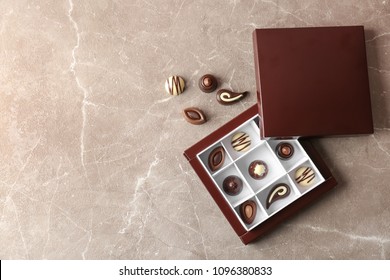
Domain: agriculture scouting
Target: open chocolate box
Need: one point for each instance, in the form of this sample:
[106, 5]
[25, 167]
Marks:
[280, 172]
[259, 167]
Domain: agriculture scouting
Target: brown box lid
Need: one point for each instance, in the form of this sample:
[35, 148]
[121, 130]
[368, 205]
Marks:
[312, 81]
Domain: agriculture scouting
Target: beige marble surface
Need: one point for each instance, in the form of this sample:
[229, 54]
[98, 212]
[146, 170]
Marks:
[91, 163]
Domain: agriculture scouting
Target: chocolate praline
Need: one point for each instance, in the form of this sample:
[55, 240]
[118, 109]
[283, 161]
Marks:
[232, 185]
[258, 169]
[279, 191]
[284, 150]
[194, 115]
[208, 83]
[305, 176]
[241, 141]
[228, 97]
[248, 211]
[175, 85]
[216, 158]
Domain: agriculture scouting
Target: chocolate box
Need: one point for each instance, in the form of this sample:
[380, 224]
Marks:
[289, 76]
[279, 171]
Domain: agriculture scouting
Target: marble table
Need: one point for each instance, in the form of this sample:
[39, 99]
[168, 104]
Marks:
[91, 163]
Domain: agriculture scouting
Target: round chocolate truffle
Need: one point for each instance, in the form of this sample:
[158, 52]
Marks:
[241, 141]
[284, 150]
[175, 85]
[208, 83]
[232, 185]
[305, 176]
[258, 169]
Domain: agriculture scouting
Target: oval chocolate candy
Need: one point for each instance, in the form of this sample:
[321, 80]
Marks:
[216, 158]
[194, 116]
[248, 211]
[227, 97]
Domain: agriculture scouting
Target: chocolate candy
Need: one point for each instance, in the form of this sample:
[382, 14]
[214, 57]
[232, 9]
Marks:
[241, 142]
[258, 169]
[248, 211]
[216, 158]
[194, 115]
[232, 185]
[227, 97]
[277, 192]
[284, 150]
[207, 83]
[304, 176]
[175, 85]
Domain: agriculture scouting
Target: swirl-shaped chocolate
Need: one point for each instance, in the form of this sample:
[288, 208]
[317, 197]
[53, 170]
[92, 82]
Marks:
[227, 97]
[277, 192]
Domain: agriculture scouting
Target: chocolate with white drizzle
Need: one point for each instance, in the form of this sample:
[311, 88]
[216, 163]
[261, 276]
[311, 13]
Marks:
[277, 192]
[194, 115]
[227, 97]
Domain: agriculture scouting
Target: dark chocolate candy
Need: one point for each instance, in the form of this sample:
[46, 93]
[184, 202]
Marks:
[194, 115]
[279, 191]
[227, 97]
[258, 169]
[207, 83]
[284, 150]
[216, 158]
[232, 185]
[248, 211]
